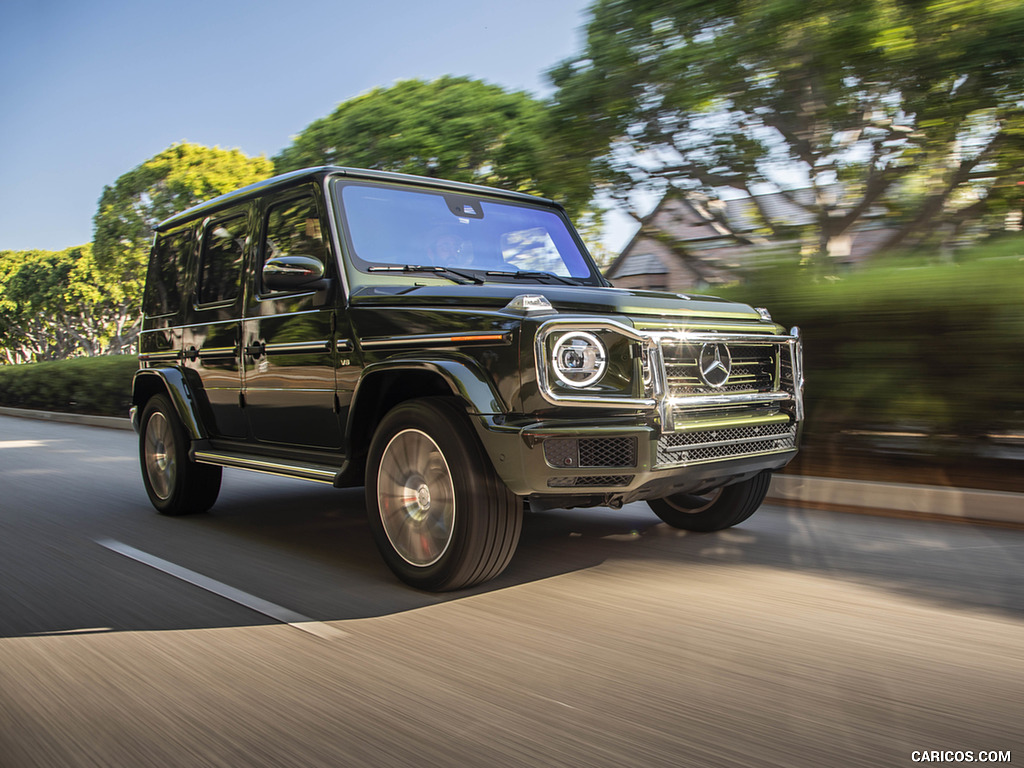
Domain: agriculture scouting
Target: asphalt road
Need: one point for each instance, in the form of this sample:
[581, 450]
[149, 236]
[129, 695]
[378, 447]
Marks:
[801, 638]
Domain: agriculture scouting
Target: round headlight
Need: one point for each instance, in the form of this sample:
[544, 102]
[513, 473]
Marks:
[579, 359]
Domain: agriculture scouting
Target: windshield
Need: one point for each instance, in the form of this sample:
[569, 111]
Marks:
[491, 239]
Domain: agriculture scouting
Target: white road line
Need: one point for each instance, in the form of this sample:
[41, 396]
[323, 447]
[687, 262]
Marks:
[276, 612]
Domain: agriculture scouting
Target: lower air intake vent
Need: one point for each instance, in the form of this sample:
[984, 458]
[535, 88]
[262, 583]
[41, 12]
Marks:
[696, 447]
[590, 452]
[590, 482]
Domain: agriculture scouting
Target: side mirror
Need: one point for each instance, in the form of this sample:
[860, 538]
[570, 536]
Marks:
[293, 273]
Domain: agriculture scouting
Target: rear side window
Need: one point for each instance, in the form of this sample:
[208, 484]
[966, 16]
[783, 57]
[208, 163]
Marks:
[220, 262]
[293, 229]
[166, 270]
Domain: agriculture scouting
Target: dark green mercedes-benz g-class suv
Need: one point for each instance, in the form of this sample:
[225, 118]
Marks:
[454, 349]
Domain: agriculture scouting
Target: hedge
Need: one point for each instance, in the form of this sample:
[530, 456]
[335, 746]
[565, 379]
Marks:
[91, 385]
[934, 349]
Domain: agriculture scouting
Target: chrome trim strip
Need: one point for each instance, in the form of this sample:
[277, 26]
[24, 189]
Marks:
[251, 318]
[157, 357]
[194, 325]
[207, 353]
[743, 398]
[267, 467]
[343, 345]
[300, 347]
[796, 357]
[468, 337]
[704, 337]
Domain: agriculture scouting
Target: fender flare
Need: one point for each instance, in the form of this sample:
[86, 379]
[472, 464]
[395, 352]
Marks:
[170, 381]
[464, 378]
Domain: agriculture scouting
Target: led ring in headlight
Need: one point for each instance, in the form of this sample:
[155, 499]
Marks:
[579, 359]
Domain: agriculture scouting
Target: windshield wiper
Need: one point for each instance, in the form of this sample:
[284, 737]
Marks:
[455, 275]
[527, 274]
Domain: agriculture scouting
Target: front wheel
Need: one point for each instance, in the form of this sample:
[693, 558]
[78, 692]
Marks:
[721, 508]
[441, 517]
[175, 485]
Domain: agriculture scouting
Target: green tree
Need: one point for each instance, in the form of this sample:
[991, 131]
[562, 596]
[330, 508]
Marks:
[916, 104]
[58, 304]
[452, 128]
[177, 178]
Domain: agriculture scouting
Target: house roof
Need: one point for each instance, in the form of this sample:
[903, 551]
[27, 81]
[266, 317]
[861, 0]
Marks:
[615, 269]
[701, 237]
[640, 264]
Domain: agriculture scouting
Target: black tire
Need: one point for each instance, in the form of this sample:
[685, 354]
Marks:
[175, 485]
[440, 515]
[722, 508]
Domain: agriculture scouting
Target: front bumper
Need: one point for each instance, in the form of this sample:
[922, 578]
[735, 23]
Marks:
[616, 461]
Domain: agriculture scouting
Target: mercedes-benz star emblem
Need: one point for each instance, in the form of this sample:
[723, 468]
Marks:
[715, 364]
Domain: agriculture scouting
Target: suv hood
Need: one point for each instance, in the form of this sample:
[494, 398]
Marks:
[569, 299]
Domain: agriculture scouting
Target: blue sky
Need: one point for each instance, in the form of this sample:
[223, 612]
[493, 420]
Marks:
[89, 89]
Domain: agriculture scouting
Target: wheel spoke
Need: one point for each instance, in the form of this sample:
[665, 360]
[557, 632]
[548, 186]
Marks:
[160, 455]
[394, 475]
[416, 497]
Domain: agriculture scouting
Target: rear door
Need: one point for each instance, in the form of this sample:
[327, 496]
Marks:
[289, 345]
[212, 334]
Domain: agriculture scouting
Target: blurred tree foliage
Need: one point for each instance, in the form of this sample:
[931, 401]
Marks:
[935, 349]
[56, 304]
[177, 178]
[452, 128]
[915, 104]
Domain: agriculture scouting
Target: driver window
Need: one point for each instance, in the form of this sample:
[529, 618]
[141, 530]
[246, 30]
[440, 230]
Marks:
[293, 229]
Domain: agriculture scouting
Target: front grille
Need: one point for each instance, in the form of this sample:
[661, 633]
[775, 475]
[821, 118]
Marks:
[753, 369]
[712, 445]
[786, 378]
[590, 481]
[591, 452]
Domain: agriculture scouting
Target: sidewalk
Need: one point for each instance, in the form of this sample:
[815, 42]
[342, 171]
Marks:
[892, 499]
[897, 499]
[109, 422]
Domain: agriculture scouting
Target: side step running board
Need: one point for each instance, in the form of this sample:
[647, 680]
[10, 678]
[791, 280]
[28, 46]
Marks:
[319, 473]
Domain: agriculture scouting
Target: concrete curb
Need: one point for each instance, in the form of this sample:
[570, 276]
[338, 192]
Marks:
[796, 490]
[108, 422]
[896, 498]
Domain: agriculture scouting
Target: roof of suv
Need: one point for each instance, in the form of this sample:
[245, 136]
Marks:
[308, 174]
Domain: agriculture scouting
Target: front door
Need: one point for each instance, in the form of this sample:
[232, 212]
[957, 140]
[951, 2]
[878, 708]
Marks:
[289, 345]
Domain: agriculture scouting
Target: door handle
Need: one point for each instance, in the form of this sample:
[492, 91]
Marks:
[257, 350]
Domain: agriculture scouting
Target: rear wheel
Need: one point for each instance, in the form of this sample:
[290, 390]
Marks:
[721, 508]
[439, 513]
[175, 485]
